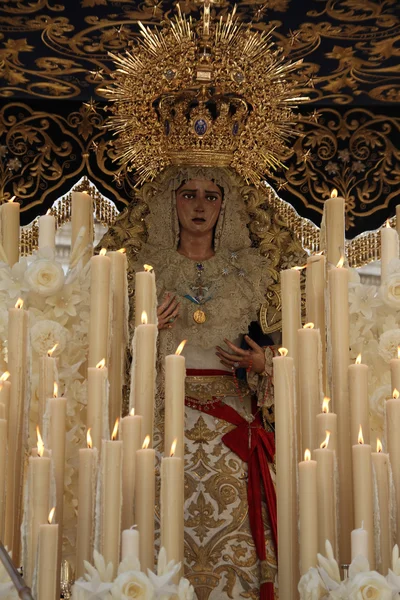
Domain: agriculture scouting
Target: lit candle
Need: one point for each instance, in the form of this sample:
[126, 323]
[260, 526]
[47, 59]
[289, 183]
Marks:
[284, 386]
[48, 572]
[394, 371]
[119, 333]
[3, 467]
[143, 374]
[291, 309]
[171, 509]
[18, 368]
[393, 446]
[97, 389]
[363, 492]
[359, 542]
[309, 367]
[86, 504]
[326, 494]
[389, 249]
[334, 216]
[338, 281]
[131, 434]
[47, 376]
[315, 303]
[130, 543]
[358, 394]
[175, 373]
[145, 502]
[380, 464]
[5, 386]
[82, 217]
[38, 504]
[99, 315]
[9, 214]
[145, 296]
[47, 231]
[308, 536]
[327, 421]
[111, 484]
[398, 218]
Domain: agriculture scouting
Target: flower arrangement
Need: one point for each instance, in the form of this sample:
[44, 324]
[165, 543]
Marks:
[131, 582]
[324, 582]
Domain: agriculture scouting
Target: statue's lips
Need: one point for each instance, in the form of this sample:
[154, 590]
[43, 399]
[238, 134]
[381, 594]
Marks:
[198, 220]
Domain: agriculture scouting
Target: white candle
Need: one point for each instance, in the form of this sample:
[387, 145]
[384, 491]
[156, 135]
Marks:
[363, 492]
[359, 542]
[47, 376]
[143, 374]
[393, 445]
[309, 368]
[82, 217]
[326, 494]
[380, 464]
[291, 310]
[394, 371]
[315, 303]
[172, 501]
[327, 421]
[5, 389]
[308, 537]
[358, 395]
[47, 231]
[398, 218]
[48, 572]
[389, 249]
[88, 458]
[131, 434]
[130, 543]
[334, 216]
[99, 315]
[9, 215]
[175, 373]
[3, 467]
[145, 296]
[144, 503]
[97, 403]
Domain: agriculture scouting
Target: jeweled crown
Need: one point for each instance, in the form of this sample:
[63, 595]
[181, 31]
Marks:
[205, 93]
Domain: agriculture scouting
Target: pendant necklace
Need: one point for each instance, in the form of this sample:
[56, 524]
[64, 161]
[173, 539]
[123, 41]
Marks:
[200, 295]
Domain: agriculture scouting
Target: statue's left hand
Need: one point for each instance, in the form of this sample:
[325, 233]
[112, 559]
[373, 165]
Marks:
[253, 359]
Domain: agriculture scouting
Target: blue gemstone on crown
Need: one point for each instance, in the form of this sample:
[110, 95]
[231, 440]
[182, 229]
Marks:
[200, 127]
[235, 128]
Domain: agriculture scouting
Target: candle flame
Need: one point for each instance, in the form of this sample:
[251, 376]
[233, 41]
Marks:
[298, 268]
[360, 436]
[144, 318]
[132, 412]
[101, 364]
[173, 447]
[283, 351]
[146, 442]
[11, 199]
[387, 223]
[180, 347]
[334, 193]
[103, 251]
[122, 250]
[148, 268]
[50, 352]
[48, 211]
[308, 326]
[358, 359]
[115, 430]
[396, 394]
[340, 262]
[307, 455]
[55, 390]
[325, 443]
[325, 404]
[5, 376]
[378, 445]
[51, 515]
[398, 351]
[40, 444]
[19, 303]
[89, 440]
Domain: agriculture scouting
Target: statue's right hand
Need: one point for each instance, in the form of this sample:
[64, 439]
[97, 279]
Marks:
[168, 311]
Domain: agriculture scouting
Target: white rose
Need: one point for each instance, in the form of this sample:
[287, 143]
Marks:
[369, 586]
[132, 584]
[45, 277]
[378, 399]
[311, 586]
[391, 291]
[388, 344]
[46, 334]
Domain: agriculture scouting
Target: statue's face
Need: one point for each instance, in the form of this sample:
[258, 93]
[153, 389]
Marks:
[198, 204]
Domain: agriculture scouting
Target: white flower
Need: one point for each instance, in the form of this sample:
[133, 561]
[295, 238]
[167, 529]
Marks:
[362, 299]
[95, 589]
[12, 280]
[46, 334]
[64, 303]
[369, 586]
[391, 291]
[311, 586]
[185, 590]
[378, 398]
[132, 584]
[45, 277]
[388, 344]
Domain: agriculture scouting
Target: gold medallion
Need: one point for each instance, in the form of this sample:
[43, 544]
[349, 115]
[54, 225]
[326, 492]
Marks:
[199, 316]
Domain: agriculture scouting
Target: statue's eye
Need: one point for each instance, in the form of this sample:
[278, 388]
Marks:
[212, 198]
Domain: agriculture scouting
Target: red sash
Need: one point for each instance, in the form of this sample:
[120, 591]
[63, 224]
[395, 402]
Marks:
[256, 447]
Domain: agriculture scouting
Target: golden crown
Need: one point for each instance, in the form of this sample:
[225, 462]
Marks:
[202, 93]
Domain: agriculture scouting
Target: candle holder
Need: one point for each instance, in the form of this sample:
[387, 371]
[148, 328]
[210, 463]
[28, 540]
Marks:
[67, 579]
[345, 570]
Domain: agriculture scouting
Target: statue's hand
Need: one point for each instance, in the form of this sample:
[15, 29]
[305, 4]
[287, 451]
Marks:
[253, 359]
[168, 311]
